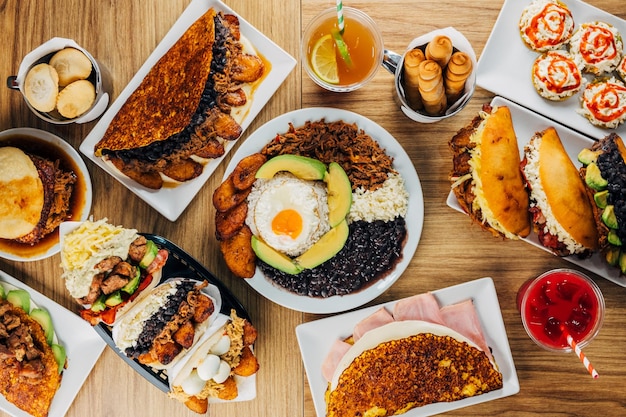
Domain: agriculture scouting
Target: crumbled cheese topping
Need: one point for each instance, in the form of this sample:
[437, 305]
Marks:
[385, 203]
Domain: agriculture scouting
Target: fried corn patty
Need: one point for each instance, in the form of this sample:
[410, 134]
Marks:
[398, 375]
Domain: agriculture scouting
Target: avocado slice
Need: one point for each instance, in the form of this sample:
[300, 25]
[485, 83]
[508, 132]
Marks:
[325, 248]
[133, 284]
[593, 177]
[114, 299]
[587, 156]
[99, 304]
[601, 198]
[339, 193]
[612, 255]
[274, 258]
[3, 293]
[42, 317]
[19, 298]
[613, 238]
[150, 255]
[301, 166]
[59, 355]
[609, 218]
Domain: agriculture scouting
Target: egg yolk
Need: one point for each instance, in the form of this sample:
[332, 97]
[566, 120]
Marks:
[287, 222]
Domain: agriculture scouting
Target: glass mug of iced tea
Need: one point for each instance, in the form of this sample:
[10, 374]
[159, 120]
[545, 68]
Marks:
[561, 302]
[345, 61]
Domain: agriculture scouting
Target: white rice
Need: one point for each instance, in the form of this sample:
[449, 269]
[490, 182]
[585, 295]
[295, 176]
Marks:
[386, 203]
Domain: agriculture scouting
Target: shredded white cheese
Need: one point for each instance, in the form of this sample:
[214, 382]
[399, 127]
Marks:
[540, 200]
[87, 245]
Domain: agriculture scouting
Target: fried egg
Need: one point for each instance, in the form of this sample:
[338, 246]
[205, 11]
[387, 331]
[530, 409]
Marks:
[288, 213]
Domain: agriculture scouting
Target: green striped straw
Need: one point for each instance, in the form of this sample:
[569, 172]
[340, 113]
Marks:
[340, 22]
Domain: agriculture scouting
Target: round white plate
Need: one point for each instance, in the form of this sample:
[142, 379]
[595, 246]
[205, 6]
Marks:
[414, 219]
[34, 254]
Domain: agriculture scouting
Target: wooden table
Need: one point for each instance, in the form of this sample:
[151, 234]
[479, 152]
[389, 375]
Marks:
[452, 250]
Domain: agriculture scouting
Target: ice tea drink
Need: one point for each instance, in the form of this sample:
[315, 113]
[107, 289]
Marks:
[559, 302]
[342, 61]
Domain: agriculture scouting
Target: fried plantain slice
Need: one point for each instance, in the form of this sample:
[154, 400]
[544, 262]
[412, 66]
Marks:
[247, 68]
[228, 223]
[226, 196]
[245, 171]
[238, 253]
[149, 179]
[198, 405]
[212, 149]
[248, 364]
[185, 334]
[183, 170]
[229, 391]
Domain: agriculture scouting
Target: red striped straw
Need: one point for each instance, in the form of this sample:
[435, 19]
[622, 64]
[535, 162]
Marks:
[582, 356]
[340, 22]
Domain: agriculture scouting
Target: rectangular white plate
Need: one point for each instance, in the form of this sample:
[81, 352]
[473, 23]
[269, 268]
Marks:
[172, 201]
[505, 65]
[526, 124]
[315, 339]
[82, 345]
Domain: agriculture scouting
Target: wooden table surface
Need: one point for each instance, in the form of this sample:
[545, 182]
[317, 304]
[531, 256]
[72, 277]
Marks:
[121, 35]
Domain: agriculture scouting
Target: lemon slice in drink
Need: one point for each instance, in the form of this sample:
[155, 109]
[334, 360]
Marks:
[324, 61]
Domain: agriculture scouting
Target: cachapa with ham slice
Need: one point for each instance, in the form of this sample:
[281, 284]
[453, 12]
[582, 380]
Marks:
[408, 364]
[382, 368]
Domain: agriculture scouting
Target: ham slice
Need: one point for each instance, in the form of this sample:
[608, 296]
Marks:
[418, 307]
[462, 317]
[337, 351]
[379, 318]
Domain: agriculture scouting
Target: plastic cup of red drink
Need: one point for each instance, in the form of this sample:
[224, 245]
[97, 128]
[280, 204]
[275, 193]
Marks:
[559, 302]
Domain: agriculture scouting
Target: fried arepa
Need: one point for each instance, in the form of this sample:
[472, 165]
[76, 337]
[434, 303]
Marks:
[401, 374]
[168, 96]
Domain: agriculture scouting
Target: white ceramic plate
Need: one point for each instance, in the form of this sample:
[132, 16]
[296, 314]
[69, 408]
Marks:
[316, 338]
[172, 201]
[505, 66]
[526, 123]
[46, 248]
[82, 345]
[414, 219]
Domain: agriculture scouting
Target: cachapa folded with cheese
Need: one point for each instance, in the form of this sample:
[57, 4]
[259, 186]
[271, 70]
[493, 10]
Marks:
[487, 180]
[408, 364]
[562, 213]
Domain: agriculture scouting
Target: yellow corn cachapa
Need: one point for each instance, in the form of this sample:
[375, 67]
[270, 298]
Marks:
[503, 185]
[168, 96]
[565, 190]
[401, 374]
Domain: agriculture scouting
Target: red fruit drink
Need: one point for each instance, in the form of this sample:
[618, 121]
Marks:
[558, 302]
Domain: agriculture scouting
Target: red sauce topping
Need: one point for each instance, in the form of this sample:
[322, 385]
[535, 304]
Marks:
[551, 23]
[562, 74]
[606, 104]
[597, 44]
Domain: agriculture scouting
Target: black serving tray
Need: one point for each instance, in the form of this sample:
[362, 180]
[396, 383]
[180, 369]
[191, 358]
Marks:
[179, 264]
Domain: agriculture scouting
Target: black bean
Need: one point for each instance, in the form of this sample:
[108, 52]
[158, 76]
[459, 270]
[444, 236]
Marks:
[371, 251]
